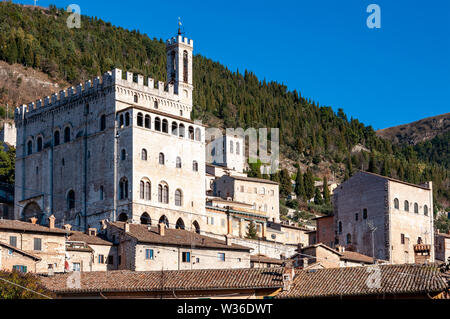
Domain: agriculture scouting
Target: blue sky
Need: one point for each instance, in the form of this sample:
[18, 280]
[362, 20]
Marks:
[323, 48]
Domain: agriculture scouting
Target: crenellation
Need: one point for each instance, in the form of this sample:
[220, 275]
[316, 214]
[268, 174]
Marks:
[54, 98]
[151, 83]
[96, 82]
[38, 104]
[79, 89]
[46, 101]
[70, 92]
[140, 79]
[170, 89]
[87, 85]
[129, 77]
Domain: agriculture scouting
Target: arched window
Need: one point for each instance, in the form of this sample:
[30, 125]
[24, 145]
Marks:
[157, 124]
[174, 128]
[140, 120]
[238, 148]
[416, 208]
[127, 119]
[166, 194]
[141, 190]
[178, 198]
[123, 155]
[136, 100]
[148, 191]
[179, 224]
[121, 121]
[340, 227]
[123, 217]
[123, 188]
[156, 104]
[173, 61]
[191, 132]
[103, 122]
[406, 206]
[71, 199]
[144, 154]
[195, 166]
[160, 192]
[145, 219]
[67, 135]
[39, 144]
[196, 227]
[231, 147]
[396, 203]
[162, 160]
[30, 148]
[349, 239]
[147, 121]
[165, 126]
[198, 134]
[181, 130]
[163, 220]
[178, 164]
[185, 66]
[56, 138]
[425, 210]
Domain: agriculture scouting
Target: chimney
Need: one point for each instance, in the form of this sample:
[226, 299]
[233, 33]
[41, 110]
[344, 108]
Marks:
[228, 241]
[51, 222]
[288, 275]
[161, 229]
[92, 231]
[51, 271]
[305, 262]
[67, 227]
[340, 249]
[33, 220]
[126, 227]
[104, 224]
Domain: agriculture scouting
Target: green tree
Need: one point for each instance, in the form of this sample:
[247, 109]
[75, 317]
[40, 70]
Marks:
[9, 287]
[299, 187]
[308, 184]
[7, 165]
[326, 191]
[285, 183]
[372, 164]
[318, 197]
[251, 231]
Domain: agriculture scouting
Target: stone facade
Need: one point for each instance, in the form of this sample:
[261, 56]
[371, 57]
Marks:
[400, 214]
[228, 151]
[260, 193]
[116, 148]
[442, 246]
[8, 133]
[325, 231]
[11, 259]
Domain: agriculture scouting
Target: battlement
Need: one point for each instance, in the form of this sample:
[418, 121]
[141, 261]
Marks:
[115, 77]
[64, 96]
[180, 39]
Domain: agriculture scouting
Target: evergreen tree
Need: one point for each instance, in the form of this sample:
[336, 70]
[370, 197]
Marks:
[285, 183]
[251, 231]
[386, 169]
[308, 184]
[372, 165]
[318, 197]
[299, 187]
[326, 191]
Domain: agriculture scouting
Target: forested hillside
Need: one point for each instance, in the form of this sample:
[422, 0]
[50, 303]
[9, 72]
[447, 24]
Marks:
[310, 134]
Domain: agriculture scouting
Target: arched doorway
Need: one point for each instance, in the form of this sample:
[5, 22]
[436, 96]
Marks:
[164, 220]
[196, 227]
[123, 217]
[145, 219]
[32, 210]
[180, 224]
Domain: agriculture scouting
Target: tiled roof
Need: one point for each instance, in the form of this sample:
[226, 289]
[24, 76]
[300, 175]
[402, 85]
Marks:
[90, 240]
[265, 259]
[23, 226]
[352, 281]
[20, 251]
[354, 256]
[179, 237]
[205, 279]
[395, 180]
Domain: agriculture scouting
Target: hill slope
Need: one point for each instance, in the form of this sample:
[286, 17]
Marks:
[418, 131]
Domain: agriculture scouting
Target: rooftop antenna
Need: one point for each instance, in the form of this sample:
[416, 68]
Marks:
[372, 229]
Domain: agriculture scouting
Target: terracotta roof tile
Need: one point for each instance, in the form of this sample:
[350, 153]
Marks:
[265, 259]
[178, 237]
[20, 251]
[352, 281]
[204, 279]
[354, 256]
[23, 226]
[90, 240]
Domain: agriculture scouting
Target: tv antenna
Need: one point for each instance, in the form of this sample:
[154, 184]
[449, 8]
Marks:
[372, 229]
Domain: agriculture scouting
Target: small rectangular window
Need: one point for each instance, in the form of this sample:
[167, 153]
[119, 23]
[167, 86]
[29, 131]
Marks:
[356, 216]
[37, 244]
[20, 268]
[402, 239]
[110, 260]
[365, 213]
[149, 254]
[101, 259]
[221, 256]
[186, 257]
[13, 241]
[76, 267]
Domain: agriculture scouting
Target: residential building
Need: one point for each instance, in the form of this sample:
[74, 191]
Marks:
[45, 243]
[13, 258]
[442, 246]
[287, 233]
[262, 261]
[146, 248]
[384, 217]
[325, 233]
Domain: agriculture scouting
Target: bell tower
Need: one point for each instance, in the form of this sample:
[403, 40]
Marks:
[179, 51]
